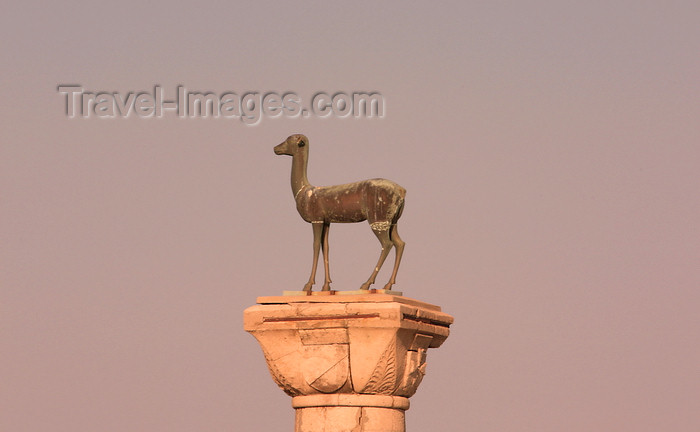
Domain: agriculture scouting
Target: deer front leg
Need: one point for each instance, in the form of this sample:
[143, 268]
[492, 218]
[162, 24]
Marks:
[318, 228]
[324, 246]
[383, 236]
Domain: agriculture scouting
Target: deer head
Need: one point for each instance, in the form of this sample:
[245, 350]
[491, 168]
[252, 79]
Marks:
[294, 144]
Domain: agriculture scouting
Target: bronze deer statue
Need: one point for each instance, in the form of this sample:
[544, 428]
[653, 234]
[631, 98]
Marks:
[378, 201]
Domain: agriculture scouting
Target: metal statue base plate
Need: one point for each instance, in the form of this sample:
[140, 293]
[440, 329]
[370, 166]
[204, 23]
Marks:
[334, 292]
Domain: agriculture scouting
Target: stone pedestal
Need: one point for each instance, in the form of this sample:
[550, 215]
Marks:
[350, 362]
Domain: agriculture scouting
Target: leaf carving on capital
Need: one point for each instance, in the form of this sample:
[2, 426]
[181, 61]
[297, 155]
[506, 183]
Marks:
[383, 379]
[414, 373]
[278, 377]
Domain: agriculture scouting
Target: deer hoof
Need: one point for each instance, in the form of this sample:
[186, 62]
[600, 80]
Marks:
[388, 286]
[326, 286]
[308, 286]
[365, 286]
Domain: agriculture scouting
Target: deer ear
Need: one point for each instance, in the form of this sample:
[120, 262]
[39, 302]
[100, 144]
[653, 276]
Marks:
[302, 143]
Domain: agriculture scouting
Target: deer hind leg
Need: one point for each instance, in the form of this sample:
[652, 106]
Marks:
[324, 247]
[399, 244]
[318, 231]
[381, 230]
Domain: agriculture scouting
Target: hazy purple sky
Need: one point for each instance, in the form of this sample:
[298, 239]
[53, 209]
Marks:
[550, 151]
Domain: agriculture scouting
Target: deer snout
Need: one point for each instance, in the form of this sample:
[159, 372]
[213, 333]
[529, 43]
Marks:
[281, 149]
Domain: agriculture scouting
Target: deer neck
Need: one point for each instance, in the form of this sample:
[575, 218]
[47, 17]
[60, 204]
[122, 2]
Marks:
[299, 180]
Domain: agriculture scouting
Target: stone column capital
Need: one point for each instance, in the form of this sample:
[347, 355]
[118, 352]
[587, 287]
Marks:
[341, 352]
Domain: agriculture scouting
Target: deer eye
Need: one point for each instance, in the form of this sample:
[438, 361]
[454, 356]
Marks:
[301, 144]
